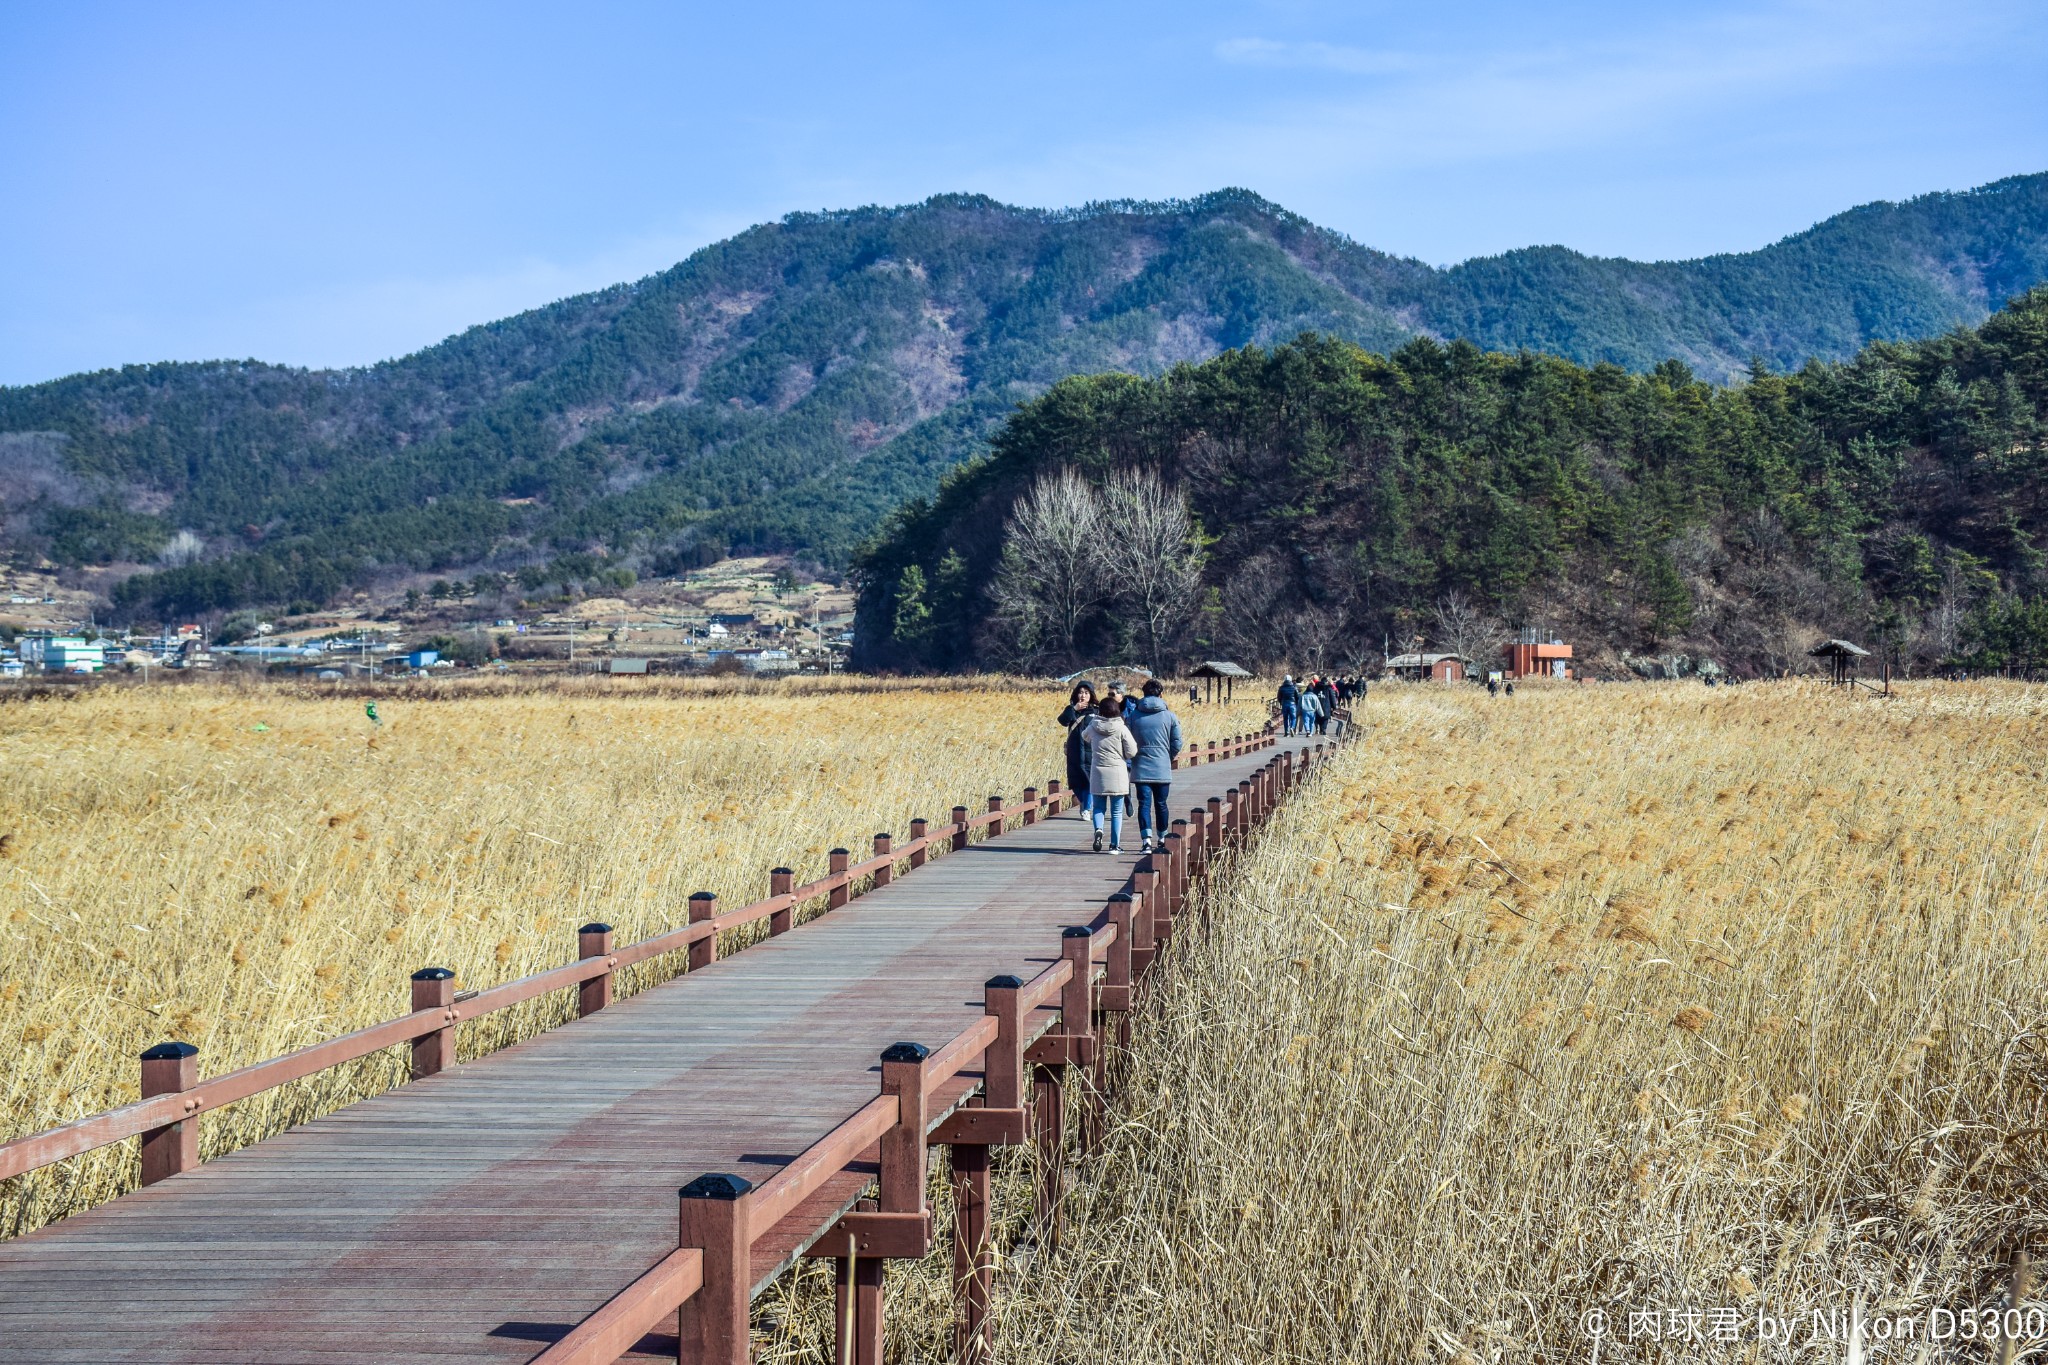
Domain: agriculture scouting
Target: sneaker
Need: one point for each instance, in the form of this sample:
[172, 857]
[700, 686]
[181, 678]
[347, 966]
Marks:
[1145, 844]
[1098, 841]
[1114, 849]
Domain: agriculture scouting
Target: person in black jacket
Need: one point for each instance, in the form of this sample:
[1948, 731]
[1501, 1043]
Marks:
[1080, 706]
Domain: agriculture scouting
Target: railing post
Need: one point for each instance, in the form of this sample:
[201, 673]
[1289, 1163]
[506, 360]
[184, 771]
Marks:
[1144, 946]
[995, 808]
[1145, 881]
[1077, 997]
[959, 828]
[919, 828]
[781, 881]
[1003, 1064]
[1212, 837]
[1243, 809]
[433, 988]
[1177, 868]
[711, 1327]
[1125, 910]
[1031, 805]
[836, 863]
[1055, 793]
[594, 940]
[704, 952]
[886, 873]
[902, 1147]
[170, 1069]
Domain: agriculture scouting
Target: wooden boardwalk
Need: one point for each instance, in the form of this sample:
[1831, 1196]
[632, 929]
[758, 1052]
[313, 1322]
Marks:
[479, 1213]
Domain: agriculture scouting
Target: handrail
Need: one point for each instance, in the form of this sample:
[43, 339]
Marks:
[34, 1150]
[778, 1196]
[950, 1060]
[1046, 984]
[614, 1329]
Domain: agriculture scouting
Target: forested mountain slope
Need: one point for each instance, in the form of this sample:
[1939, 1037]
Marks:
[1343, 499]
[785, 388]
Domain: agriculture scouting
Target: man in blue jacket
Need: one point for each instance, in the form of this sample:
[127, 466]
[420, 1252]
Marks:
[1157, 731]
[1290, 705]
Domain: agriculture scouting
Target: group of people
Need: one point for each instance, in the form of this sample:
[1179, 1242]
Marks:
[1118, 746]
[1307, 708]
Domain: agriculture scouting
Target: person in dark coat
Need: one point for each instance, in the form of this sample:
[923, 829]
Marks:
[1080, 706]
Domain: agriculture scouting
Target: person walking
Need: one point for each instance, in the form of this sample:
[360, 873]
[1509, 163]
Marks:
[1311, 709]
[1080, 710]
[1290, 705]
[1157, 731]
[1111, 748]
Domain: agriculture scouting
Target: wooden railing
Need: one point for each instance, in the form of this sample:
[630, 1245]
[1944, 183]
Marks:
[174, 1098]
[999, 1082]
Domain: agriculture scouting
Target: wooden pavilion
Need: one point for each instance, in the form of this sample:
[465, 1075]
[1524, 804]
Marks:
[1841, 656]
[1219, 673]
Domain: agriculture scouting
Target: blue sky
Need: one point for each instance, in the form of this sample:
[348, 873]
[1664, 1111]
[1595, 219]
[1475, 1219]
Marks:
[330, 184]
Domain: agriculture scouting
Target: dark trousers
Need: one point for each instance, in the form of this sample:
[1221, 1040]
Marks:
[1153, 816]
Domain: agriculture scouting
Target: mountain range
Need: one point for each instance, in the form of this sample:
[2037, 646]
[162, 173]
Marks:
[788, 387]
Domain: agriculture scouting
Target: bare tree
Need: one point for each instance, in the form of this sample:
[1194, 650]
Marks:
[1465, 630]
[1153, 556]
[1052, 562]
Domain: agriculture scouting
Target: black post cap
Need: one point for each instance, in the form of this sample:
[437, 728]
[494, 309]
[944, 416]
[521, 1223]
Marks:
[906, 1052]
[884, 834]
[838, 853]
[1005, 982]
[703, 895]
[595, 928]
[1074, 931]
[781, 872]
[170, 1052]
[716, 1185]
[959, 808]
[433, 974]
[1115, 896]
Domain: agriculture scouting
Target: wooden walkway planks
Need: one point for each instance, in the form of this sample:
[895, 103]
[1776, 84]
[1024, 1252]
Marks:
[475, 1214]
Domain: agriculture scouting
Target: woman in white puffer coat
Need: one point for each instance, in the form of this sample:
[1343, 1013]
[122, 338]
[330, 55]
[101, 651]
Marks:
[1111, 747]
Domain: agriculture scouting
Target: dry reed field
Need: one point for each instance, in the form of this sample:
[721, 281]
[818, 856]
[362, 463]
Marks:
[256, 869]
[1693, 1007]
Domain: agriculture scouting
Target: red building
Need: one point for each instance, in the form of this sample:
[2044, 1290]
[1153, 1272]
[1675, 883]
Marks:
[1531, 656]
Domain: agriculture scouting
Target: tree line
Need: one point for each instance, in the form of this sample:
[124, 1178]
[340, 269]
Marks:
[1337, 499]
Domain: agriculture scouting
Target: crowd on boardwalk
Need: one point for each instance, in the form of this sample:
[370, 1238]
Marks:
[1310, 707]
[1120, 748]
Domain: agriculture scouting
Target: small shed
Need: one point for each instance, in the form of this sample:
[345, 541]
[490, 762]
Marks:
[423, 658]
[1429, 667]
[619, 666]
[1841, 656]
[1219, 673]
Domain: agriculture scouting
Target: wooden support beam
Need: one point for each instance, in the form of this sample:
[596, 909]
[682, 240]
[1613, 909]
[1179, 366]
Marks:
[918, 829]
[973, 1254]
[884, 846]
[959, 828]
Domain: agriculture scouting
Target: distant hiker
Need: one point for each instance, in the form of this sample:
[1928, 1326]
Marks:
[1110, 751]
[1290, 705]
[1493, 687]
[1194, 696]
[1080, 709]
[1311, 709]
[1326, 704]
[1511, 689]
[1127, 707]
[1157, 731]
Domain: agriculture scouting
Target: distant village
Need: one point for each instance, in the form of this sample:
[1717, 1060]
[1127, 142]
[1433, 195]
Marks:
[739, 616]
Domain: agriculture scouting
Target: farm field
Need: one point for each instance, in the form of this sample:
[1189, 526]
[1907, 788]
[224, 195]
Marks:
[253, 869]
[1677, 1005]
